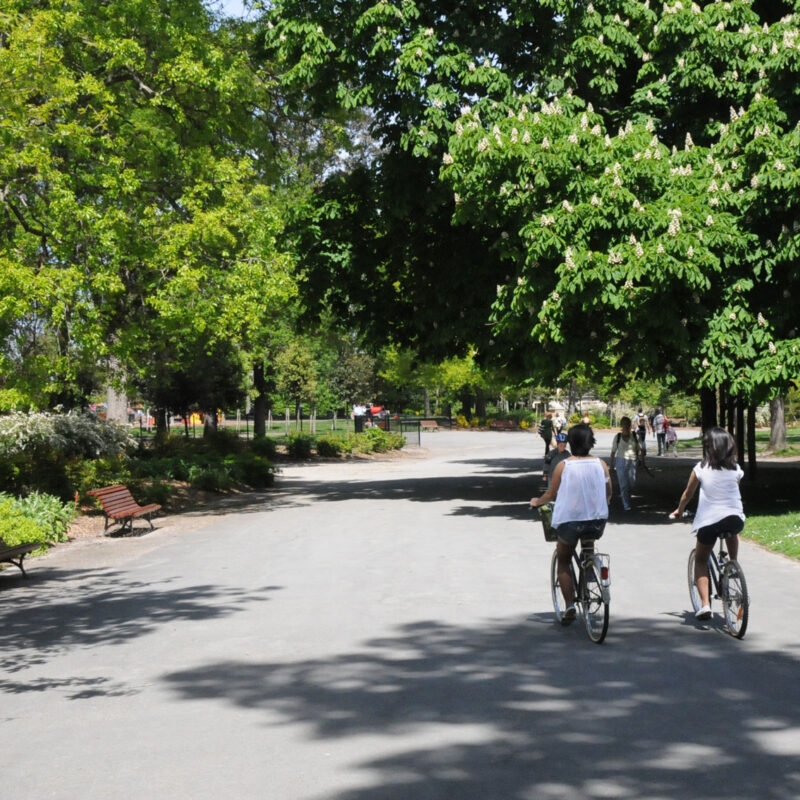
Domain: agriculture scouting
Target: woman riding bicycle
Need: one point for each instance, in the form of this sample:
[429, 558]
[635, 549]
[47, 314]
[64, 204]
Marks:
[719, 509]
[581, 487]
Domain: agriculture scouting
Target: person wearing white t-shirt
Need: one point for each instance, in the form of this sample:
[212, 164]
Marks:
[581, 487]
[719, 508]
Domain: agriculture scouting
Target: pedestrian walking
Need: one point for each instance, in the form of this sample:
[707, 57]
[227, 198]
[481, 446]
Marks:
[658, 424]
[626, 452]
[546, 431]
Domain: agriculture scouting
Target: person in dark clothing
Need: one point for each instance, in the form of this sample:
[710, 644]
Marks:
[546, 428]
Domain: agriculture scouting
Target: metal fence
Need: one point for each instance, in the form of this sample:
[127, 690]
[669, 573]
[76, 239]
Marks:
[242, 423]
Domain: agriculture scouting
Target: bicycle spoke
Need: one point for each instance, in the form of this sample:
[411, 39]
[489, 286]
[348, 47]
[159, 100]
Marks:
[593, 605]
[735, 601]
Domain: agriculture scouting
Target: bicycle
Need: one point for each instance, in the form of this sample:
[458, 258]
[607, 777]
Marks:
[726, 583]
[591, 578]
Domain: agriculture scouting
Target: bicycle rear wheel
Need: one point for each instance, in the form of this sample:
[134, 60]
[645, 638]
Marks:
[735, 600]
[593, 604]
[694, 595]
[559, 604]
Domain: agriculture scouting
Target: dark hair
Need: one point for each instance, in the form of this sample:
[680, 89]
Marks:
[623, 420]
[719, 449]
[581, 439]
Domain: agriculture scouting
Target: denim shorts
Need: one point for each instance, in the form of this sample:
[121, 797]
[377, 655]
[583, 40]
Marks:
[570, 532]
[729, 526]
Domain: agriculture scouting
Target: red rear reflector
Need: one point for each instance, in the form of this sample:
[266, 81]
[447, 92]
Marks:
[604, 573]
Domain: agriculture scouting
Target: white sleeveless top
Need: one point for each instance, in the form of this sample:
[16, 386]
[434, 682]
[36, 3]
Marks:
[582, 492]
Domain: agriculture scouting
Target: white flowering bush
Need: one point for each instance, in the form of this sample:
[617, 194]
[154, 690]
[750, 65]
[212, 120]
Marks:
[69, 435]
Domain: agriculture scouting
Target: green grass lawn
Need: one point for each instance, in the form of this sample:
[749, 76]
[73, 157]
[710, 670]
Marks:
[780, 533]
[792, 442]
[762, 440]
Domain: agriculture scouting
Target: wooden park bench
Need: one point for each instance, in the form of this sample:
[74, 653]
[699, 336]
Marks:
[429, 425]
[16, 552]
[119, 505]
[503, 424]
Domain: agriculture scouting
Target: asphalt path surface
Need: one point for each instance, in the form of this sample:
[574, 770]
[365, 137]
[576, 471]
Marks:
[383, 630]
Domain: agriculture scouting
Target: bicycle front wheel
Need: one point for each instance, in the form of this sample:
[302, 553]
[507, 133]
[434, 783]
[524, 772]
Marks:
[559, 604]
[735, 600]
[593, 604]
[694, 595]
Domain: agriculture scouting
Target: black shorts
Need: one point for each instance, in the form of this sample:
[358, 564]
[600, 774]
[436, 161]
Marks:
[729, 526]
[585, 530]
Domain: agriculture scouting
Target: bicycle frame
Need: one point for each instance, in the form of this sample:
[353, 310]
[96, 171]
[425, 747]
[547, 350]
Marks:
[715, 565]
[726, 583]
[592, 594]
[587, 556]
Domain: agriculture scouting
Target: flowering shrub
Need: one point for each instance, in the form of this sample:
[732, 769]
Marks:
[72, 434]
[461, 421]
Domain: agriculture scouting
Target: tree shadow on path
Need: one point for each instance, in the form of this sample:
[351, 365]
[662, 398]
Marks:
[522, 709]
[39, 621]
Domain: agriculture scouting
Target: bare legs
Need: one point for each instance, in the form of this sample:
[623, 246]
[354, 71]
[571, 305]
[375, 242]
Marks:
[564, 552]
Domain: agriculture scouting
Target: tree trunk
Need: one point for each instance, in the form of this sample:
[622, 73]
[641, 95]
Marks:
[160, 415]
[260, 401]
[777, 424]
[571, 407]
[116, 405]
[480, 402]
[723, 406]
[708, 409]
[466, 402]
[427, 402]
[732, 413]
[751, 443]
[210, 423]
[740, 430]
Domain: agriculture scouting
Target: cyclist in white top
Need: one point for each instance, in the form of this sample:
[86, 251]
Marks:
[719, 508]
[581, 487]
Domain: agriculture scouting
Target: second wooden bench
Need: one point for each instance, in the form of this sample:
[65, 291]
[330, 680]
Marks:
[119, 505]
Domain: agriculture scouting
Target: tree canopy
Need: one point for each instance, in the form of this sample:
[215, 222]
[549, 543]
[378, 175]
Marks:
[137, 176]
[631, 172]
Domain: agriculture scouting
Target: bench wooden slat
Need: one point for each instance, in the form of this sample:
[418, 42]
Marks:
[119, 505]
[16, 553]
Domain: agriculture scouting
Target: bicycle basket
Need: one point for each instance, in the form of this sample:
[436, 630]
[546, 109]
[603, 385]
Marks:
[546, 513]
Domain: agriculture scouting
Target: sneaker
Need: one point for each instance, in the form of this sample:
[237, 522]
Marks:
[703, 613]
[569, 616]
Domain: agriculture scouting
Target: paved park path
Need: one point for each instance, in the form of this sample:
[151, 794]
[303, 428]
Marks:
[383, 631]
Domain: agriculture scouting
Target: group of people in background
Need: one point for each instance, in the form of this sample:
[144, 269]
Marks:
[659, 426]
[628, 448]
